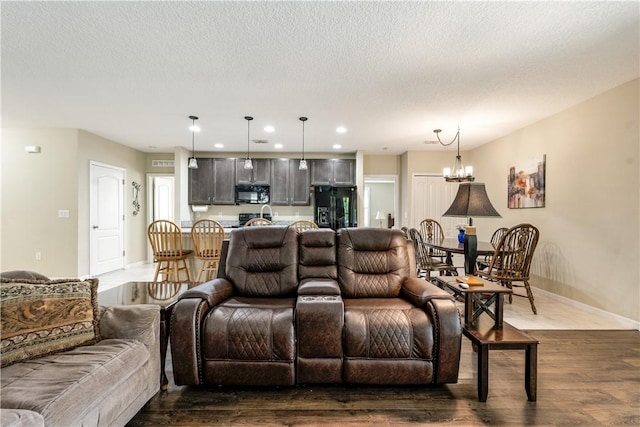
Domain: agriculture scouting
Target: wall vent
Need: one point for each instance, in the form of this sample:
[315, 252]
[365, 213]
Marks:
[162, 163]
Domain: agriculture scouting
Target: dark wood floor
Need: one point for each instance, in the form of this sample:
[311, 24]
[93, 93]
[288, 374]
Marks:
[585, 378]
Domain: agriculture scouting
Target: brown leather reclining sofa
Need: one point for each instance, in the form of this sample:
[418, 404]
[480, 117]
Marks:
[315, 307]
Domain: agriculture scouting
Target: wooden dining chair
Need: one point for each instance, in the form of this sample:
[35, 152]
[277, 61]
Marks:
[430, 229]
[303, 224]
[495, 239]
[425, 263]
[257, 221]
[163, 291]
[511, 260]
[165, 238]
[207, 236]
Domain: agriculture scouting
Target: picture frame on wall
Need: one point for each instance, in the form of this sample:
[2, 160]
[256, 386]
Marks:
[526, 183]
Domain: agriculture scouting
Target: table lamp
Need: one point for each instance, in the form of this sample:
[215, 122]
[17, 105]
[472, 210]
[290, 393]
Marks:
[471, 200]
[380, 216]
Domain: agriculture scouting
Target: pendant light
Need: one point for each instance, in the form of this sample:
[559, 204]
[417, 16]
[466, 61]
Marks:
[248, 164]
[303, 162]
[459, 173]
[193, 163]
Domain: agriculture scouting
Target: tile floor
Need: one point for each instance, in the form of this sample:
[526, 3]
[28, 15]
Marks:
[553, 312]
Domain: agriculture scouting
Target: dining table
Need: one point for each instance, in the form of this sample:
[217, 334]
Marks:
[451, 245]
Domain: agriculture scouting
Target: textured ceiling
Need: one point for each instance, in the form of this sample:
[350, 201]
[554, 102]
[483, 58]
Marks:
[390, 72]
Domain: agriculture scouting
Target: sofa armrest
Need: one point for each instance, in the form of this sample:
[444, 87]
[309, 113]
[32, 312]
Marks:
[213, 292]
[319, 287]
[419, 292]
[139, 322]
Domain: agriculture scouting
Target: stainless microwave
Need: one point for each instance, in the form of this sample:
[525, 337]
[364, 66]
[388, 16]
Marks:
[251, 193]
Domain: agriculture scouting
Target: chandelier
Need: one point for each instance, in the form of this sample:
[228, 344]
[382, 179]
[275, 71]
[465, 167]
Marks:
[458, 173]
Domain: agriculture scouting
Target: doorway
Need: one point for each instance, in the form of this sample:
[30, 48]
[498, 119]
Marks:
[160, 199]
[106, 213]
[380, 199]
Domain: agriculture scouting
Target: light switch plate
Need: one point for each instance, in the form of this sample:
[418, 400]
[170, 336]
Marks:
[63, 213]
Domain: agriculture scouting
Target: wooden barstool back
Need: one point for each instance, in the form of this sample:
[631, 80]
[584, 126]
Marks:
[165, 238]
[303, 224]
[207, 236]
[257, 221]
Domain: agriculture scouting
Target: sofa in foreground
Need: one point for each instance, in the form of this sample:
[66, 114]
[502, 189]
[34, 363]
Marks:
[315, 307]
[67, 361]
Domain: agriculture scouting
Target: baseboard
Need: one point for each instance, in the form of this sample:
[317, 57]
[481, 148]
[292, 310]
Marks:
[135, 264]
[632, 324]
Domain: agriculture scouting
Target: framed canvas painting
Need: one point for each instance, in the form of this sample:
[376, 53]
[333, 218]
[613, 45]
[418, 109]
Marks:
[526, 184]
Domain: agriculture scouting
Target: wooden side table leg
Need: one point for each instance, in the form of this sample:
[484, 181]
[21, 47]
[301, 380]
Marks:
[531, 372]
[483, 372]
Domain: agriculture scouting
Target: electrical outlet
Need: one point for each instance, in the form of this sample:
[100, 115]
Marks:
[38, 256]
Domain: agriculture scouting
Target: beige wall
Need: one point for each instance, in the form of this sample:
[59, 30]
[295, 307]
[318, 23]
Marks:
[588, 249]
[36, 186]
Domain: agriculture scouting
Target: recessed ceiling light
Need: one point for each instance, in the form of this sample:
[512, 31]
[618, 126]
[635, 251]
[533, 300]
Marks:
[277, 145]
[269, 128]
[337, 146]
[341, 129]
[218, 145]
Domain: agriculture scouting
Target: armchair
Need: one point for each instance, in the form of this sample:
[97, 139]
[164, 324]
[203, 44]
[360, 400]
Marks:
[239, 330]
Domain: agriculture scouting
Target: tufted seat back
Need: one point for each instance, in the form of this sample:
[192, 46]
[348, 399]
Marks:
[372, 262]
[263, 261]
[318, 254]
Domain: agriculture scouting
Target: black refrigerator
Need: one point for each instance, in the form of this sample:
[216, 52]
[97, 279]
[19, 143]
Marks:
[335, 207]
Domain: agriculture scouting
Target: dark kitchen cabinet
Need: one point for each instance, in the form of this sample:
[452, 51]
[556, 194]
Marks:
[201, 191]
[224, 182]
[299, 186]
[213, 182]
[332, 172]
[289, 185]
[260, 174]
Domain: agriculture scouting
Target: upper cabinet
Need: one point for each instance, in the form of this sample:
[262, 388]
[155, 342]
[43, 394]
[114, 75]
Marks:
[224, 183]
[213, 182]
[260, 174]
[332, 172]
[201, 189]
[289, 184]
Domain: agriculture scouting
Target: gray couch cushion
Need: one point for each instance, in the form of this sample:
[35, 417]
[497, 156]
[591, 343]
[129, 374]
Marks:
[62, 387]
[20, 418]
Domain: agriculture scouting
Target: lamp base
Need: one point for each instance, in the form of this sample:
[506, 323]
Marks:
[470, 250]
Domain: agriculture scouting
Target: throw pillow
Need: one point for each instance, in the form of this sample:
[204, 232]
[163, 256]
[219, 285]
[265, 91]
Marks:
[43, 317]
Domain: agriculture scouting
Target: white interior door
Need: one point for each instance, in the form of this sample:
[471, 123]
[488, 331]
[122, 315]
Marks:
[160, 197]
[431, 197]
[107, 218]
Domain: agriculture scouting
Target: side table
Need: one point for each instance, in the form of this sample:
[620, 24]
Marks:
[164, 294]
[474, 305]
[486, 337]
